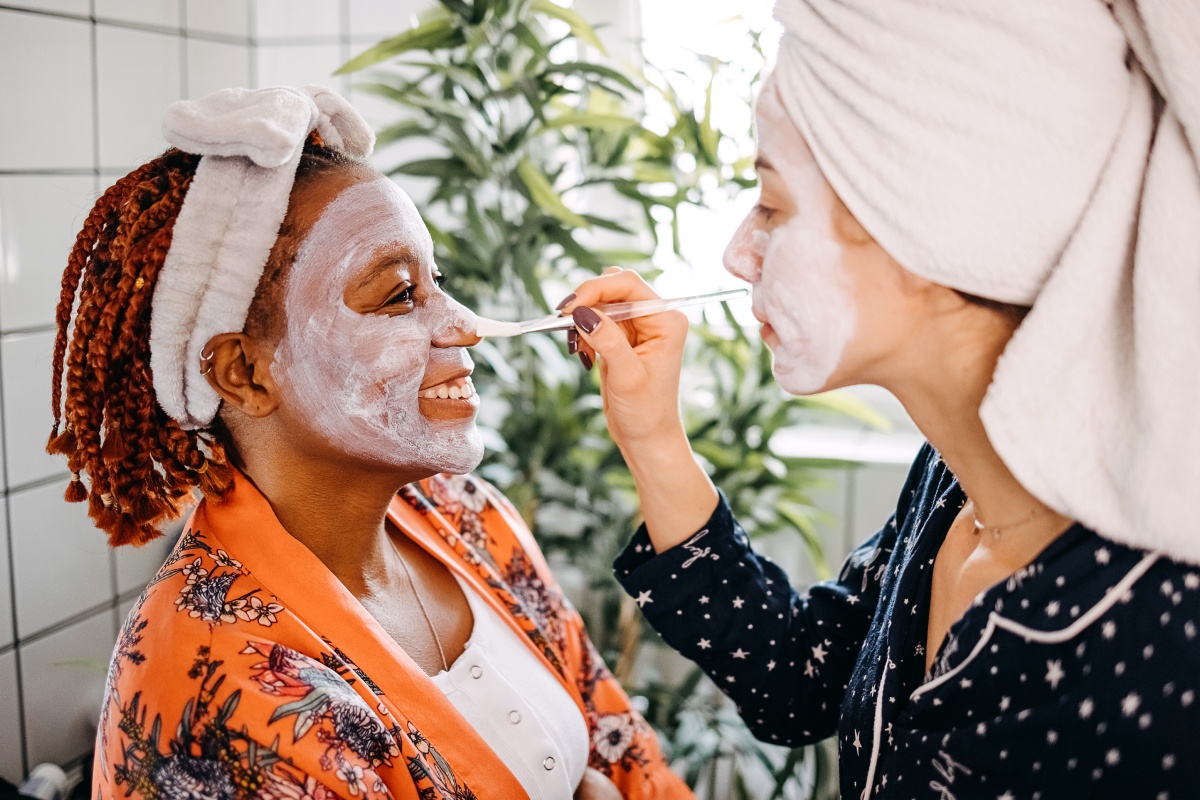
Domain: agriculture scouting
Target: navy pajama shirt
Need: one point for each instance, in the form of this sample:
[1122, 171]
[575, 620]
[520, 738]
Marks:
[1076, 677]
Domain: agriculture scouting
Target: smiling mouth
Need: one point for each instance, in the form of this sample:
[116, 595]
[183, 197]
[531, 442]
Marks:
[454, 389]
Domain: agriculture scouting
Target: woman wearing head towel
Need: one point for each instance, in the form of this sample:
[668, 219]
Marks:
[992, 210]
[257, 315]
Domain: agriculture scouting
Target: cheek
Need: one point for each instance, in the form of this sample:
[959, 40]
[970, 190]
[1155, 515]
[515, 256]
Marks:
[744, 254]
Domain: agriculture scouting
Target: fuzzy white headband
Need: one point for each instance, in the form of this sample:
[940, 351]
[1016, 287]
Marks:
[251, 140]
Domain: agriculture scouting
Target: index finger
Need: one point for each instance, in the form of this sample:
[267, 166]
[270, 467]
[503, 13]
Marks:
[613, 287]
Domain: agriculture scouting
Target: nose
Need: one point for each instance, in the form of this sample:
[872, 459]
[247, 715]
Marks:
[744, 253]
[455, 324]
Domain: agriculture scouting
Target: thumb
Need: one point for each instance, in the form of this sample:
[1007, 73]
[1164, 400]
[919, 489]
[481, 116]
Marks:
[608, 339]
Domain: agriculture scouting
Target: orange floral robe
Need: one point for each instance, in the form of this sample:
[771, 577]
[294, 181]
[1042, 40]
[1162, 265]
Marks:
[246, 669]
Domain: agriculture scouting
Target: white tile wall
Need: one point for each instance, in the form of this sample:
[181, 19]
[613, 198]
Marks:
[79, 7]
[299, 65]
[371, 20]
[62, 681]
[224, 17]
[216, 65]
[10, 713]
[6, 615]
[288, 19]
[137, 565]
[61, 564]
[131, 95]
[39, 217]
[48, 110]
[160, 13]
[25, 361]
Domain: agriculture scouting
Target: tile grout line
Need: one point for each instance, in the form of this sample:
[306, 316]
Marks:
[221, 38]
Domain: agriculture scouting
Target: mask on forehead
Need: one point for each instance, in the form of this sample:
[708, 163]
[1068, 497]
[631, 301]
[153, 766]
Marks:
[800, 287]
[357, 376]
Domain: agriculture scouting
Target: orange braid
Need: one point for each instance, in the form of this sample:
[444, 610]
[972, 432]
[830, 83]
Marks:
[142, 467]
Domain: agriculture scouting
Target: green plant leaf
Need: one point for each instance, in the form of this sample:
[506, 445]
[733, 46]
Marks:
[591, 70]
[437, 34]
[543, 194]
[579, 26]
[608, 122]
[445, 168]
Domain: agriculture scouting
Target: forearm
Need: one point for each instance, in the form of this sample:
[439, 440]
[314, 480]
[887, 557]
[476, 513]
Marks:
[676, 495]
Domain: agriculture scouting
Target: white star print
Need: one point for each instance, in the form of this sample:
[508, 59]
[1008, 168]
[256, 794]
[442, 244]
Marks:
[703, 599]
[1052, 608]
[1103, 556]
[739, 653]
[941, 503]
[770, 665]
[808, 669]
[704, 644]
[965, 683]
[852, 599]
[1054, 673]
[857, 744]
[1085, 708]
[1004, 703]
[1112, 757]
[1191, 580]
[1109, 629]
[730, 679]
[819, 653]
[643, 598]
[1129, 705]
[1051, 736]
[738, 602]
[1006, 796]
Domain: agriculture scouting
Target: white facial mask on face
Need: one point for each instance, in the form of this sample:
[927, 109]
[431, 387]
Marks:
[357, 376]
[800, 286]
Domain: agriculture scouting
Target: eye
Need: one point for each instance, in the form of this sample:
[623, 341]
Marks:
[403, 298]
[440, 280]
[765, 212]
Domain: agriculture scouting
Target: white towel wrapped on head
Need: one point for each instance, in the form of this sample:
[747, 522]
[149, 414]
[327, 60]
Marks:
[1041, 153]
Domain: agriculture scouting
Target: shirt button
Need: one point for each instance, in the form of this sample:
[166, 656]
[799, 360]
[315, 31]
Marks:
[476, 671]
[548, 763]
[514, 717]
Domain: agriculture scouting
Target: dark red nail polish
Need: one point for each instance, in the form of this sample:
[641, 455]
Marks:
[586, 319]
[566, 301]
[572, 341]
[586, 360]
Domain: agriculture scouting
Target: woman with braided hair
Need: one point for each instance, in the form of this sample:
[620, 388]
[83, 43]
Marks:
[255, 319]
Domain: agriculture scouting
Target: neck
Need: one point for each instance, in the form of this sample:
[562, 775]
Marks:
[943, 400]
[337, 511]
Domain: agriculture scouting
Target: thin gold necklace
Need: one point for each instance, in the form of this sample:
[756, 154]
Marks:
[996, 530]
[421, 603]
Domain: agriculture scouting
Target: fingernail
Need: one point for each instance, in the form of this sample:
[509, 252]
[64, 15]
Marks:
[572, 341]
[586, 360]
[586, 318]
[566, 301]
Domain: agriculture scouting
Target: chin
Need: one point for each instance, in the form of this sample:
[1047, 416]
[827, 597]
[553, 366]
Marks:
[465, 456]
[802, 377]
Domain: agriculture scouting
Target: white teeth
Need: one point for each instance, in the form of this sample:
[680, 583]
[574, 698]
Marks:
[444, 392]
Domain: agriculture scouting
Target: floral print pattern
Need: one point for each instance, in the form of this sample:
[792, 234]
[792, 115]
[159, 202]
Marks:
[240, 693]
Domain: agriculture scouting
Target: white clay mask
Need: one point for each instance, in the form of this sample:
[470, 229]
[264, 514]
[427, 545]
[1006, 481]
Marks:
[364, 379]
[800, 287]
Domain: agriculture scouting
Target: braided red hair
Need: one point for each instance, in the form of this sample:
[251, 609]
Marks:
[142, 467]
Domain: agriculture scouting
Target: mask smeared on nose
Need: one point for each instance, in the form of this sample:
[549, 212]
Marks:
[800, 286]
[358, 376]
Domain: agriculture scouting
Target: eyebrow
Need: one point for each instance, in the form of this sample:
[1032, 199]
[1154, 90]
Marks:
[406, 258]
[761, 164]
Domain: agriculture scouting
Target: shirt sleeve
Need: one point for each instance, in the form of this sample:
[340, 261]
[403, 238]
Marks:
[783, 657]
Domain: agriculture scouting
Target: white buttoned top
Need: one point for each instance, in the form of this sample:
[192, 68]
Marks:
[517, 706]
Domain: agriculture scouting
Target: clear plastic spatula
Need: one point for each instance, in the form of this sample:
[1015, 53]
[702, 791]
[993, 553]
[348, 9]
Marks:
[615, 312]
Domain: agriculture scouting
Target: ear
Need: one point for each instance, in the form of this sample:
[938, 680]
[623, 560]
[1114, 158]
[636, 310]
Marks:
[240, 372]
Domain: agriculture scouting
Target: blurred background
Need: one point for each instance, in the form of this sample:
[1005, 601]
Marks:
[541, 147]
